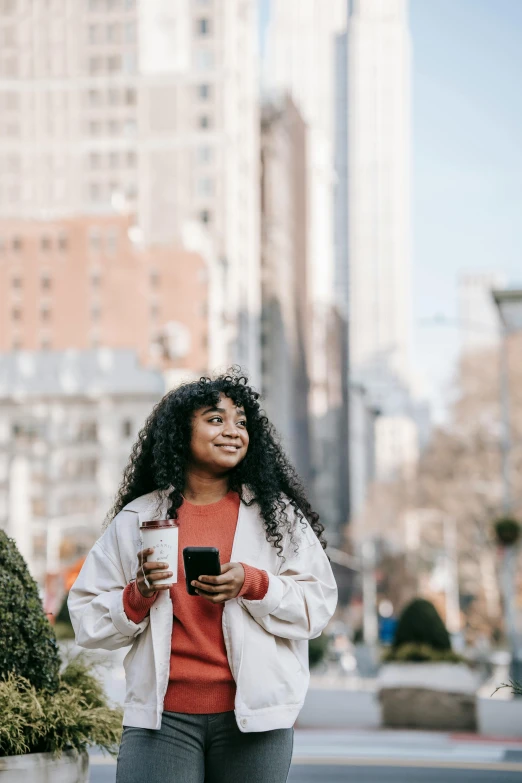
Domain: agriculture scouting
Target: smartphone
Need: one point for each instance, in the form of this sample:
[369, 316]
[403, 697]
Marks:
[200, 561]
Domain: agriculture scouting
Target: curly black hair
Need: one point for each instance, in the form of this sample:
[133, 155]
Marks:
[159, 457]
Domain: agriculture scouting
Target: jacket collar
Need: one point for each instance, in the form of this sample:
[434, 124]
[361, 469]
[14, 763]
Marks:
[156, 502]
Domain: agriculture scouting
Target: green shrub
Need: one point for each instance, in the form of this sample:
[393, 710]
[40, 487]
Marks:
[421, 624]
[317, 650]
[28, 646]
[75, 716]
[63, 626]
[421, 653]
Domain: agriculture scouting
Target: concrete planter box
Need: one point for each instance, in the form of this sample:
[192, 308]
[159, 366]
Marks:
[70, 767]
[440, 696]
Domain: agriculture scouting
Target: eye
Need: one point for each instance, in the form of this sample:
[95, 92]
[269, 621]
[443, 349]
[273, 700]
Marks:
[216, 418]
[242, 422]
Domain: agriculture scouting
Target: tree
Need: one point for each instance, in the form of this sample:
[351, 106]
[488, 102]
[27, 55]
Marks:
[27, 642]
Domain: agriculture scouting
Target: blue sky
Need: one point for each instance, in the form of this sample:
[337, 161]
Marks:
[467, 159]
[467, 132]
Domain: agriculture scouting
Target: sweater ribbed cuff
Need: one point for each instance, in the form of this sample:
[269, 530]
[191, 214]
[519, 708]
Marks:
[255, 585]
[136, 606]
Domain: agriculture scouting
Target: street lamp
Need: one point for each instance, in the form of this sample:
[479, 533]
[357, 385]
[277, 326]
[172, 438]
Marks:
[509, 305]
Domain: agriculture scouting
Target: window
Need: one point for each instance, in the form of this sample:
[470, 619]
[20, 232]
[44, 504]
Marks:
[95, 312]
[94, 160]
[114, 160]
[204, 59]
[114, 128]
[126, 428]
[45, 244]
[95, 279]
[129, 127]
[95, 192]
[204, 216]
[154, 311]
[130, 97]
[94, 98]
[113, 96]
[205, 186]
[45, 313]
[94, 65]
[16, 315]
[203, 26]
[112, 241]
[16, 344]
[131, 159]
[204, 154]
[130, 32]
[94, 34]
[94, 128]
[204, 121]
[17, 244]
[46, 282]
[94, 240]
[129, 63]
[45, 344]
[204, 91]
[88, 431]
[16, 282]
[154, 279]
[113, 32]
[114, 63]
[63, 242]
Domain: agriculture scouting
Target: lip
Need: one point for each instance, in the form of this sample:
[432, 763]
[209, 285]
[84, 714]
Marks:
[228, 447]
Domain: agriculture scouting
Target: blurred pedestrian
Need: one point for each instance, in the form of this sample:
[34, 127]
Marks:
[214, 681]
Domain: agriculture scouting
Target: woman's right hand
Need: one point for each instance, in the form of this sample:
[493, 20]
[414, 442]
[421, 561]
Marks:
[150, 572]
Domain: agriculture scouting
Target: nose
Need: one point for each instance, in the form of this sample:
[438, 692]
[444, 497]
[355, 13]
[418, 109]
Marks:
[230, 430]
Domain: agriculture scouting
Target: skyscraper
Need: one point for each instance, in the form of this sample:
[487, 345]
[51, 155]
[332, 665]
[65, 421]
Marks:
[373, 233]
[478, 315]
[144, 105]
[300, 62]
[379, 202]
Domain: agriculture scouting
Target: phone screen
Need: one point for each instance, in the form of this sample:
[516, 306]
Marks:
[200, 561]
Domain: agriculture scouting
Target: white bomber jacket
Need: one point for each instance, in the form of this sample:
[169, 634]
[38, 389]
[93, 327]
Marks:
[266, 640]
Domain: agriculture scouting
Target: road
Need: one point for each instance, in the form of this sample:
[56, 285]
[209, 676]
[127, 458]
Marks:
[386, 757]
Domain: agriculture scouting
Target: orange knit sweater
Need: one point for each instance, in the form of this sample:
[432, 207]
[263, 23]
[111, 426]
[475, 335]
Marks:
[200, 680]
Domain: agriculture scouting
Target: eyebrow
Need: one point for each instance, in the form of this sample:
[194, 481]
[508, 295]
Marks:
[239, 411]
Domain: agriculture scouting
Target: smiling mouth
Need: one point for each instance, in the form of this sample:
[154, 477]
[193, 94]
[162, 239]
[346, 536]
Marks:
[228, 447]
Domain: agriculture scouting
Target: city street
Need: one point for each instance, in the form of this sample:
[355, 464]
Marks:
[386, 757]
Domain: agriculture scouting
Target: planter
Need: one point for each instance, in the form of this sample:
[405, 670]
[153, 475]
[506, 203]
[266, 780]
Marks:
[440, 696]
[70, 767]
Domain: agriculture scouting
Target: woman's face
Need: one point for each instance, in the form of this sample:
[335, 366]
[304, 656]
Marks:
[219, 437]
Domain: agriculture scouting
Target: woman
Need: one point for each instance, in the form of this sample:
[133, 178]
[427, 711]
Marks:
[214, 682]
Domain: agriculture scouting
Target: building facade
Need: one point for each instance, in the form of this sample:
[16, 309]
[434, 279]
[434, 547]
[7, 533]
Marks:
[83, 283]
[373, 234]
[68, 421]
[284, 292]
[152, 106]
[300, 62]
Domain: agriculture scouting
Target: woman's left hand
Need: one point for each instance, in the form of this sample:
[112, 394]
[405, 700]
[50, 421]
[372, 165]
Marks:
[223, 587]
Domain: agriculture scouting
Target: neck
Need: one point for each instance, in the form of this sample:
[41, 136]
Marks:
[203, 489]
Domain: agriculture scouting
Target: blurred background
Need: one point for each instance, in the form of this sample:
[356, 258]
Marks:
[326, 193]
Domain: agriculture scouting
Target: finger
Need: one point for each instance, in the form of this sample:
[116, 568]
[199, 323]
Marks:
[216, 580]
[157, 575]
[219, 598]
[227, 567]
[153, 566]
[206, 587]
[143, 554]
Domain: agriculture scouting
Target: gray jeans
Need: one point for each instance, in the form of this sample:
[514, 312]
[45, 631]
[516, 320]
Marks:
[203, 749]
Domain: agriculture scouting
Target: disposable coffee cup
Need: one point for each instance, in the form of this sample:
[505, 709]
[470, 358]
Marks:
[161, 535]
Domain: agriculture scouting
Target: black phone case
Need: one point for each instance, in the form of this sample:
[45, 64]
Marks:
[200, 561]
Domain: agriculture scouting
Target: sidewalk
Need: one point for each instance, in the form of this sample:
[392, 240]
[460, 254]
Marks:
[350, 703]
